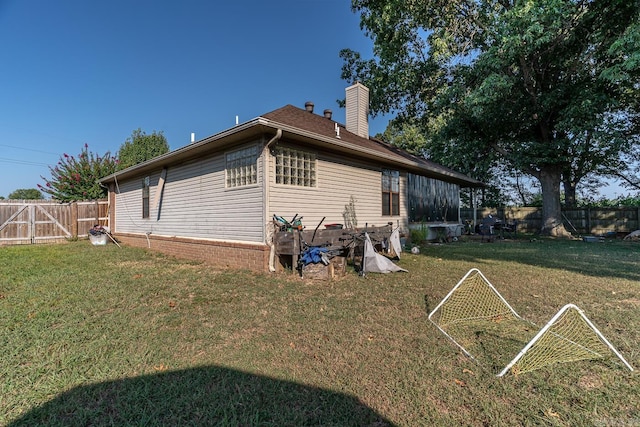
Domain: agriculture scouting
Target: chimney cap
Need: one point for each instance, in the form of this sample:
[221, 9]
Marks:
[308, 106]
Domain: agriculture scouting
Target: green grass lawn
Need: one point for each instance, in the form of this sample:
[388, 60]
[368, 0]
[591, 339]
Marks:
[95, 336]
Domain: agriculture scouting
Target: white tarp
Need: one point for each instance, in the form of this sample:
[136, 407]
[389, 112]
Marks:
[394, 240]
[373, 262]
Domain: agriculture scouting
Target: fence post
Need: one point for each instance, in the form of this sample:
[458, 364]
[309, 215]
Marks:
[32, 223]
[74, 219]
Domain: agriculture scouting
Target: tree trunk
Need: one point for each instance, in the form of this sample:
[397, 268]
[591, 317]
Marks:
[550, 179]
[569, 193]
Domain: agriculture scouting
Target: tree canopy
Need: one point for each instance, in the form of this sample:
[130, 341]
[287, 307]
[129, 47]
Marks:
[544, 87]
[76, 178]
[26, 194]
[140, 147]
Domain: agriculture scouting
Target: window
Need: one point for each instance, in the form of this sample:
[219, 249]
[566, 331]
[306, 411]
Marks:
[390, 192]
[295, 167]
[145, 197]
[242, 167]
[429, 199]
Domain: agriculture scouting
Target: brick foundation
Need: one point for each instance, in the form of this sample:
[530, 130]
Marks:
[250, 256]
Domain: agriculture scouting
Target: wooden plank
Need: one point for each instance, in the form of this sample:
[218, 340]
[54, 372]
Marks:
[54, 220]
[8, 221]
[74, 219]
[288, 242]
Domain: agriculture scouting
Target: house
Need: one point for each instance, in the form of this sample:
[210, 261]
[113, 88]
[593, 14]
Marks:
[214, 199]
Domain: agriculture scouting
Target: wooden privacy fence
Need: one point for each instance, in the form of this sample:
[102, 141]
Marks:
[43, 221]
[580, 221]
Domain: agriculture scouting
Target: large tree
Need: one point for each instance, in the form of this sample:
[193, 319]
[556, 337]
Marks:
[26, 194]
[629, 177]
[76, 178]
[140, 147]
[546, 87]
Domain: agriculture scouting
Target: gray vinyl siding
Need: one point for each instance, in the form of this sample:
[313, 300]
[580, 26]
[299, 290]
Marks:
[129, 204]
[337, 180]
[195, 204]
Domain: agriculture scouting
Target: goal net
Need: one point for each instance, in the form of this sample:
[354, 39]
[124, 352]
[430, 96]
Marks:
[472, 298]
[473, 314]
[568, 337]
[476, 318]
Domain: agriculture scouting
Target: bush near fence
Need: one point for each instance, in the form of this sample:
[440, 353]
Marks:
[595, 221]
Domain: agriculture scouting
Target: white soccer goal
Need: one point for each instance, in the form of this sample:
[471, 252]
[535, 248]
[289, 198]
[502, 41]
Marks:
[474, 307]
[568, 337]
[472, 299]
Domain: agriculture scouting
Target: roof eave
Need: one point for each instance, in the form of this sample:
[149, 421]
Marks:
[192, 151]
[260, 126]
[345, 146]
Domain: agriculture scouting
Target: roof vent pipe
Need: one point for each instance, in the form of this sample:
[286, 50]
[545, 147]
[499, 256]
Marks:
[327, 114]
[308, 106]
[193, 137]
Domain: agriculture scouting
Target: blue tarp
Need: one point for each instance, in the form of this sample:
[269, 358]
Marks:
[313, 255]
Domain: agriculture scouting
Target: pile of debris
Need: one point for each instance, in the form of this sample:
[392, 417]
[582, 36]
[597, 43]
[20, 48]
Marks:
[323, 254]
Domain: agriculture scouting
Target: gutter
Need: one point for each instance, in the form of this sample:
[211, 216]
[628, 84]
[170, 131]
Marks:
[373, 154]
[258, 125]
[167, 158]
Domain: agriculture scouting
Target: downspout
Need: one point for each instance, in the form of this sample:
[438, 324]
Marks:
[275, 139]
[269, 231]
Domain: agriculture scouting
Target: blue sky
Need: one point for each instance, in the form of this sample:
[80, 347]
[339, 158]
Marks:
[77, 71]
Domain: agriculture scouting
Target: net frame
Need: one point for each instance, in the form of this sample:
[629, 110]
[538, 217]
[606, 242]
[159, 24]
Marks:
[500, 307]
[547, 331]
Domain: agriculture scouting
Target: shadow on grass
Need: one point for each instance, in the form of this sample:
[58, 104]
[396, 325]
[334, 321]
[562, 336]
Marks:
[203, 396]
[612, 259]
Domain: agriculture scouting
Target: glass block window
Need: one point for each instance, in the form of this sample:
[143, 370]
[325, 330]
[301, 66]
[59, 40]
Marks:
[294, 167]
[390, 192]
[242, 167]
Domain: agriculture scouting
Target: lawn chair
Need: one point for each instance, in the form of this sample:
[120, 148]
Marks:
[508, 229]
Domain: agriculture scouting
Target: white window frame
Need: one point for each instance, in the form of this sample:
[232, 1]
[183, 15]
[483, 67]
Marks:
[391, 188]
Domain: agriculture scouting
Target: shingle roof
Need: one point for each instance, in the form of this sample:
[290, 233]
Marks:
[322, 126]
[308, 127]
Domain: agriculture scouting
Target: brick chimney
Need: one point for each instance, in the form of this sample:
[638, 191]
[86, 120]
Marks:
[357, 103]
